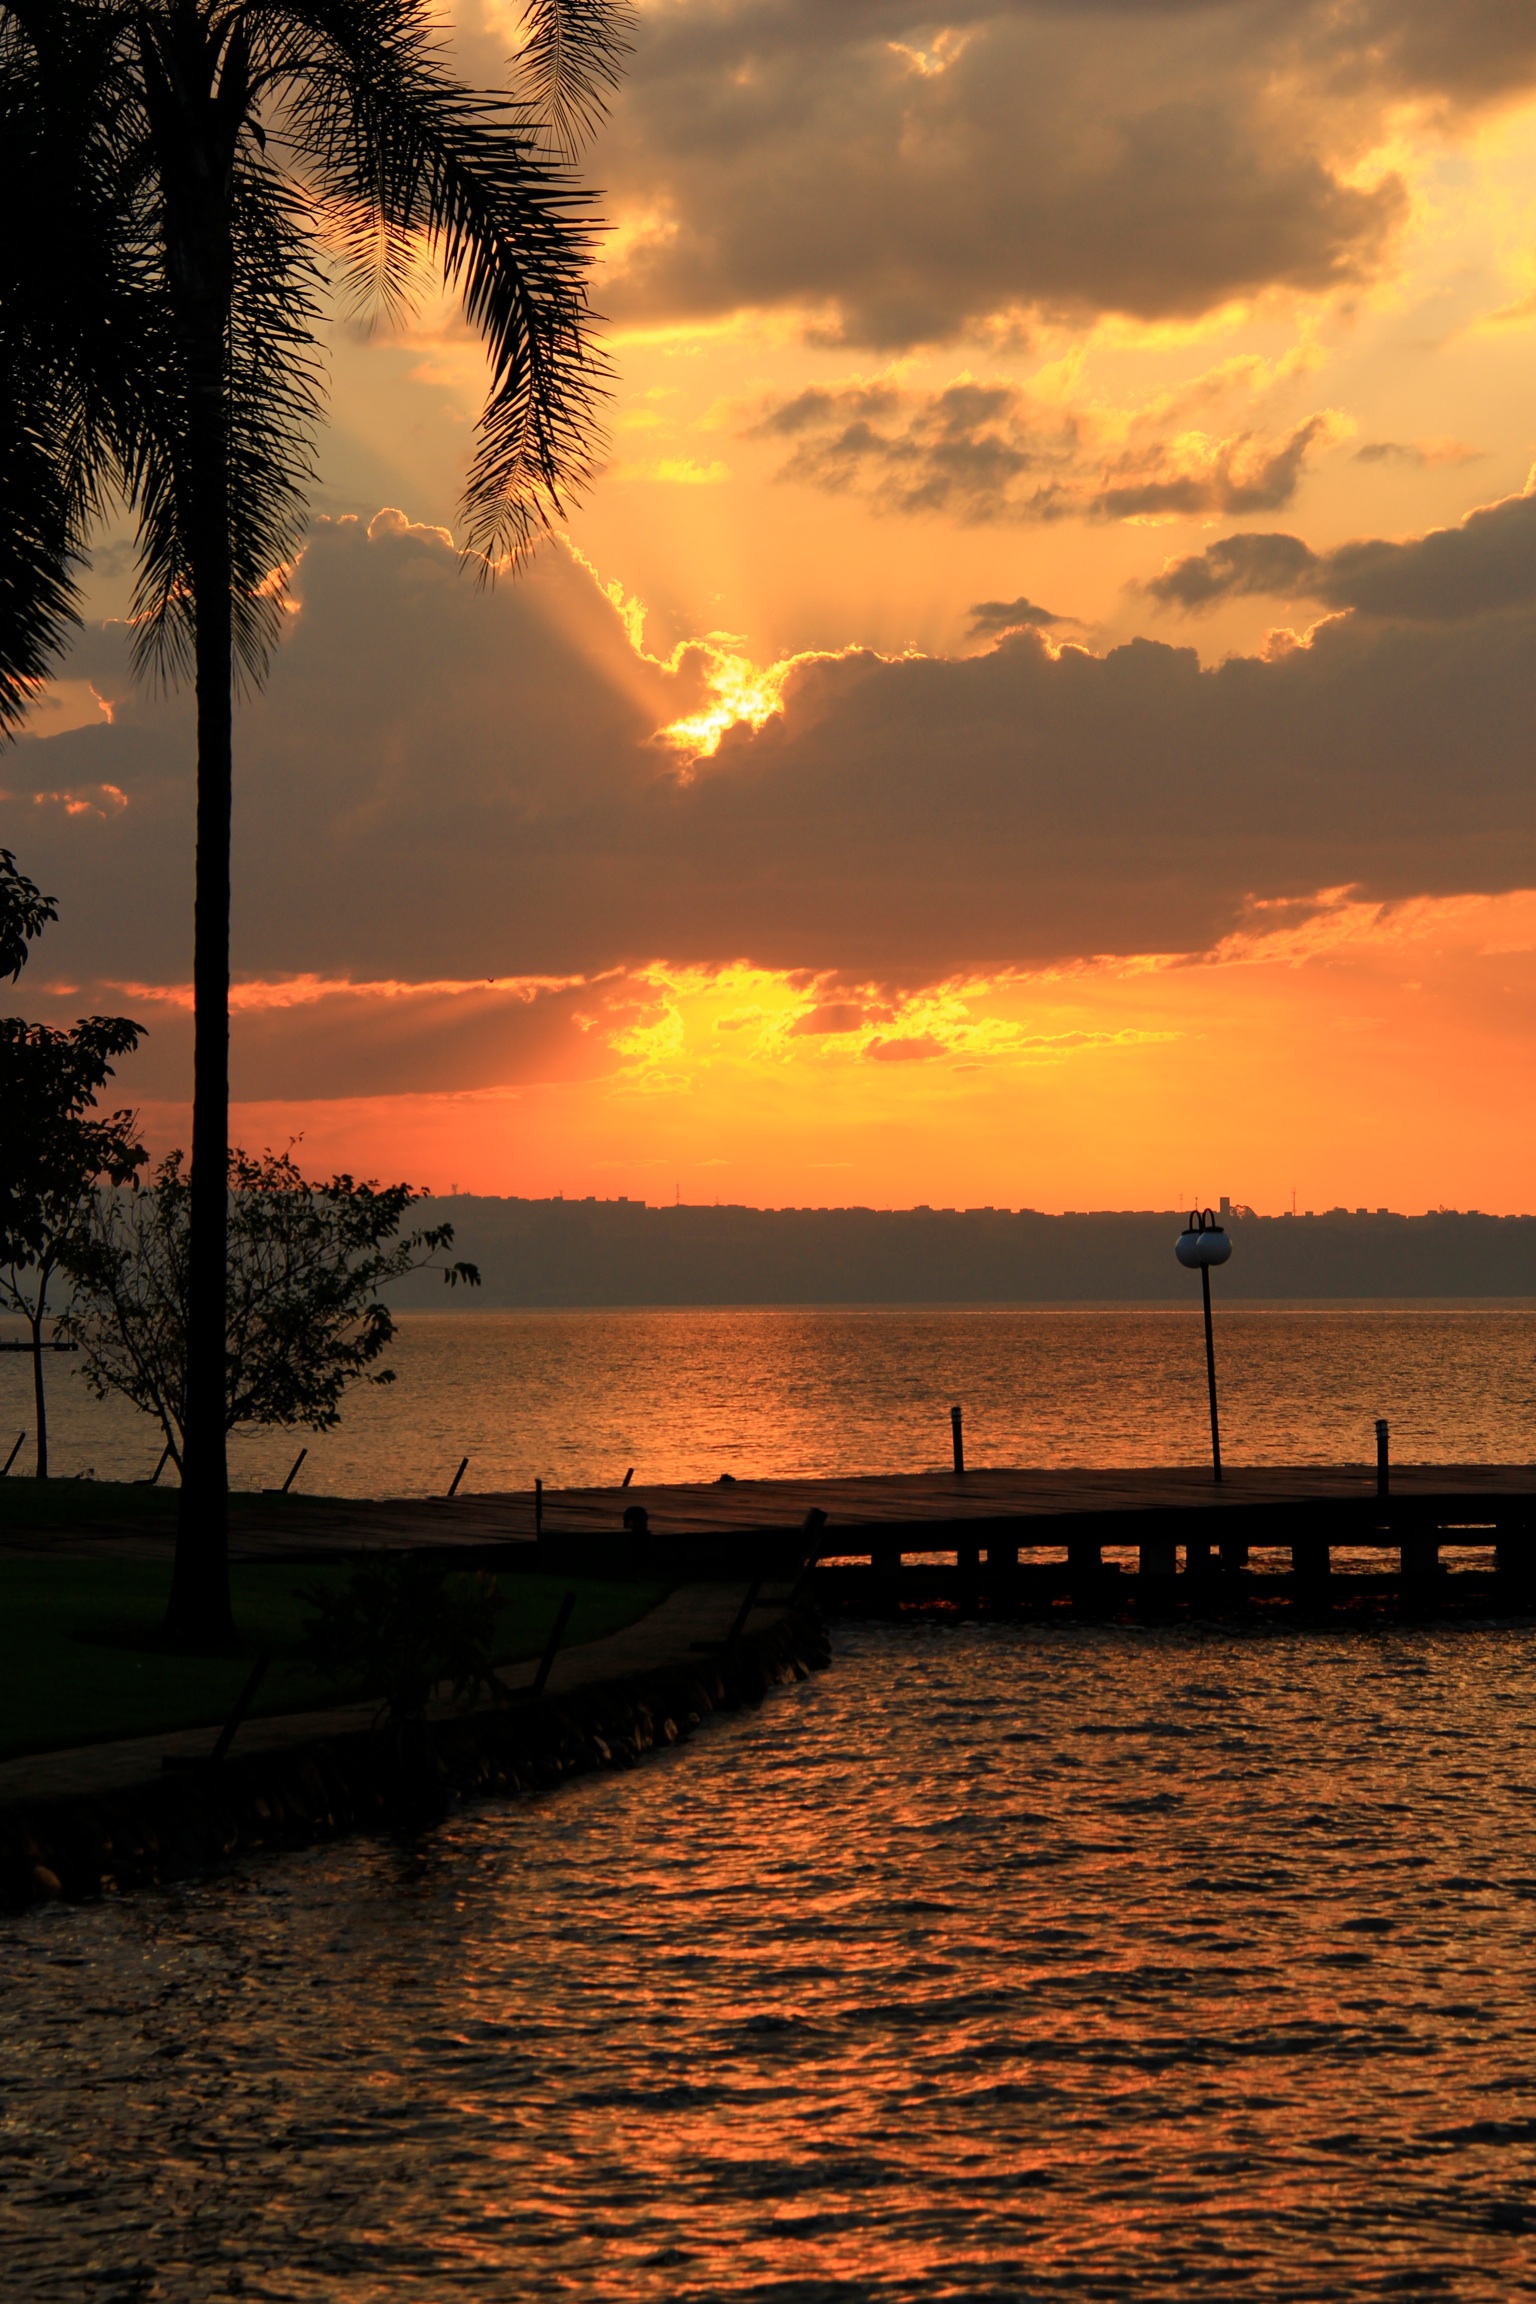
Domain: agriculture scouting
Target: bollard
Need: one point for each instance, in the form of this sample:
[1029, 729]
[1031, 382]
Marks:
[1383, 1458]
[957, 1436]
[453, 1485]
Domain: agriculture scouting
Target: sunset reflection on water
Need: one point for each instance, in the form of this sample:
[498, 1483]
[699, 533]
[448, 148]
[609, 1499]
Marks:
[997, 1962]
[688, 1393]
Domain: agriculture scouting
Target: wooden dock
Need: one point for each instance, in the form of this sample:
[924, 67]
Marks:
[983, 1539]
[1003, 1538]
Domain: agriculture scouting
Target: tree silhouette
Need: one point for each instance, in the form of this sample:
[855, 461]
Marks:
[204, 177]
[55, 1148]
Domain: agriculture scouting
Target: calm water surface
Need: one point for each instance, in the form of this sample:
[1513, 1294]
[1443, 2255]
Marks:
[575, 1397]
[995, 1963]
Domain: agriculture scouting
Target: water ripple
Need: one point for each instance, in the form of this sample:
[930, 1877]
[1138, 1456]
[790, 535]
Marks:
[999, 1963]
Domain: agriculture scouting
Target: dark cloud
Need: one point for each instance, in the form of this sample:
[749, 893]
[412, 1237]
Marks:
[981, 453]
[990, 618]
[1486, 563]
[1417, 455]
[903, 178]
[909, 179]
[831, 1016]
[443, 786]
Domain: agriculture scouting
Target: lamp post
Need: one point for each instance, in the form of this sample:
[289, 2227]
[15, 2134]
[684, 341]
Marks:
[1202, 1243]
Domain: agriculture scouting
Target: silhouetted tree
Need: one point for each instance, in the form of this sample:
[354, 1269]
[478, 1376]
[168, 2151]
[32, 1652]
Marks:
[55, 1148]
[200, 173]
[304, 1317]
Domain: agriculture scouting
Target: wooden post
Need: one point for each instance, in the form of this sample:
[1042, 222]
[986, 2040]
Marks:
[1311, 1559]
[885, 1575]
[1003, 1576]
[1513, 1561]
[15, 1452]
[957, 1435]
[552, 1644]
[1234, 1555]
[629, 1475]
[294, 1472]
[1159, 1556]
[1197, 1558]
[1383, 1458]
[968, 1577]
[1418, 1559]
[453, 1485]
[744, 1611]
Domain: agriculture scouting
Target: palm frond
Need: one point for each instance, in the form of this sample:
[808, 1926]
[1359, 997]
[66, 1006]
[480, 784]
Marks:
[572, 59]
[370, 110]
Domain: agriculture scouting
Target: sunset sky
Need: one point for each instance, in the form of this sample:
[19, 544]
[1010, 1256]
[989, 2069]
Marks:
[1037, 709]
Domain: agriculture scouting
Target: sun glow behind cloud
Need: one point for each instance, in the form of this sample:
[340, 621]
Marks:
[1351, 1052]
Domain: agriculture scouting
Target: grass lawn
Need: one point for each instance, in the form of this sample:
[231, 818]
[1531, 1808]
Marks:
[75, 1667]
[45, 1504]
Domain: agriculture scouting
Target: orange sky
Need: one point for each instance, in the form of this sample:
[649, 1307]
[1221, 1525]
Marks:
[612, 884]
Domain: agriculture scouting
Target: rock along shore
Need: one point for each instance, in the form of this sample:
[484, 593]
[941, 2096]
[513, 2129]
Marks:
[180, 1825]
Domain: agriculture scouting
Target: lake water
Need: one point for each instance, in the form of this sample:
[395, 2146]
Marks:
[996, 1963]
[576, 1397]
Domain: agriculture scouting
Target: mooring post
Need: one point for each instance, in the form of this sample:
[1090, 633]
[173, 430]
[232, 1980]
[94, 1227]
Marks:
[453, 1485]
[1383, 1458]
[15, 1452]
[292, 1474]
[957, 1435]
[629, 1475]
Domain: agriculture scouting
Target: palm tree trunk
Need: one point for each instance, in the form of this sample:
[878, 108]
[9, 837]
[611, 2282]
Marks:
[35, 1322]
[199, 1608]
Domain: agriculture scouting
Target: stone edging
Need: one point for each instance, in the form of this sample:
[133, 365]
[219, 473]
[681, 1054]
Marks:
[182, 1824]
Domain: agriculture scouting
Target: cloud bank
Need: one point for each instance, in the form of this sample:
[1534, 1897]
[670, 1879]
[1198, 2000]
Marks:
[983, 453]
[1483, 565]
[900, 179]
[455, 812]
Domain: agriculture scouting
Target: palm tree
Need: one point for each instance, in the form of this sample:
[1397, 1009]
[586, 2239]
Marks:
[219, 170]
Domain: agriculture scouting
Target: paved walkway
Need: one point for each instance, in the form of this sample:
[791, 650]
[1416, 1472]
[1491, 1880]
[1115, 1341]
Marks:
[693, 1617]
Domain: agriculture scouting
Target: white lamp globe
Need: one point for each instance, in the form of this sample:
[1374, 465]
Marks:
[1202, 1241]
